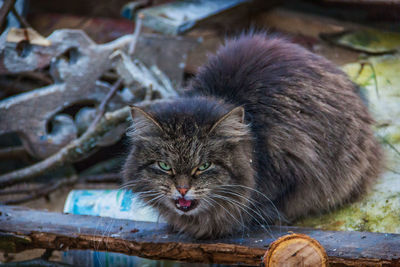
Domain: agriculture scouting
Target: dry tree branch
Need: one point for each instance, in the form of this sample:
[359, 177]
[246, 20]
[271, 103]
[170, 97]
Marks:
[9, 6]
[42, 191]
[71, 152]
[138, 26]
[5, 9]
[84, 179]
[20, 18]
[102, 107]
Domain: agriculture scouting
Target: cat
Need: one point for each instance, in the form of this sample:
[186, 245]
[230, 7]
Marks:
[265, 131]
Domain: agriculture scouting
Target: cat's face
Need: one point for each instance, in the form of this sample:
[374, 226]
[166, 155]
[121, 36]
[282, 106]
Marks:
[184, 164]
[180, 176]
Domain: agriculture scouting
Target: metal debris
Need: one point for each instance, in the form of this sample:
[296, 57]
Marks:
[76, 65]
[136, 71]
[180, 16]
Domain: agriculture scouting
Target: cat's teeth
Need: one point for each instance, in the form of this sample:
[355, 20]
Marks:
[185, 205]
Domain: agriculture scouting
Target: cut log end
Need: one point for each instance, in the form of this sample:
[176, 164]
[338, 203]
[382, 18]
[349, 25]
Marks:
[295, 250]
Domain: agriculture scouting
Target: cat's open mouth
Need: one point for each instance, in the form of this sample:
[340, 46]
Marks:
[185, 205]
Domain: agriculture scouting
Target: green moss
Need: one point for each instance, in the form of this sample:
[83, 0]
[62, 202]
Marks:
[377, 212]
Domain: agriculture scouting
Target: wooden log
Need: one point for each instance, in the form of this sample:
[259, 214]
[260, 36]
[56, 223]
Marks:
[295, 250]
[22, 229]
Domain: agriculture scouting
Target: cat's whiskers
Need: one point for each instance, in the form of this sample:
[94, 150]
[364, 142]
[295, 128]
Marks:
[209, 203]
[204, 205]
[147, 193]
[248, 200]
[240, 214]
[200, 192]
[280, 217]
[155, 200]
[246, 209]
[154, 194]
[135, 181]
[229, 213]
[242, 206]
[236, 194]
[132, 183]
[108, 235]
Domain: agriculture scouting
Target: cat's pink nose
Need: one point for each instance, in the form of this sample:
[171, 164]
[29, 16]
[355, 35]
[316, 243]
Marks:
[182, 190]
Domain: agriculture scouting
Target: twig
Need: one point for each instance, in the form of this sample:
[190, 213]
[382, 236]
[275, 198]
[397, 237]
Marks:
[138, 26]
[102, 107]
[20, 19]
[362, 65]
[5, 9]
[84, 179]
[43, 191]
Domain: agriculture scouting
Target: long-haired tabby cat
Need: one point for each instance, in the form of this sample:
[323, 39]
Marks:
[265, 131]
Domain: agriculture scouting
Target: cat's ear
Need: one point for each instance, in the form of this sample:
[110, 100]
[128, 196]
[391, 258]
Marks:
[142, 116]
[231, 124]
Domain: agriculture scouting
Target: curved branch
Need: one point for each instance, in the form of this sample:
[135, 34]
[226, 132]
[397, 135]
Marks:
[42, 191]
[70, 153]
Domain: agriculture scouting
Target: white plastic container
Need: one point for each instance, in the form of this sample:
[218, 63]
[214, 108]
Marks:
[120, 204]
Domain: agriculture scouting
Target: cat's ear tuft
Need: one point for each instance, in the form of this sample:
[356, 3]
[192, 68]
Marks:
[237, 113]
[231, 124]
[142, 116]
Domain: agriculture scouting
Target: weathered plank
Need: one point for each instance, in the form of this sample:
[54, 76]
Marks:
[22, 228]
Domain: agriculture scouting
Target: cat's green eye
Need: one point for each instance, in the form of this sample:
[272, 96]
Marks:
[204, 167]
[164, 166]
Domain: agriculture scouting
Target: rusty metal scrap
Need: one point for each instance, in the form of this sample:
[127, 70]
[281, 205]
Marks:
[76, 81]
[76, 65]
